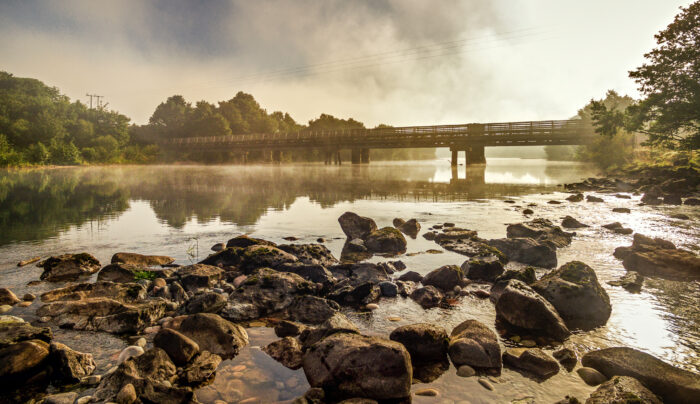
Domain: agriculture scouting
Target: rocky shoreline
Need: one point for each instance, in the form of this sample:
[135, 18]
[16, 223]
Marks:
[183, 321]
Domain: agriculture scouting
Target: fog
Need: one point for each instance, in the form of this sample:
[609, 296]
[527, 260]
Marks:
[394, 62]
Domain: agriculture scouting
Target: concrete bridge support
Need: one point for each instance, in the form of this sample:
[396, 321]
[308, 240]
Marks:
[475, 155]
[338, 160]
[276, 156]
[364, 156]
[455, 152]
[355, 156]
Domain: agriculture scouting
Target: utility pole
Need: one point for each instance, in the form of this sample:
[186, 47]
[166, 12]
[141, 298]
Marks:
[97, 97]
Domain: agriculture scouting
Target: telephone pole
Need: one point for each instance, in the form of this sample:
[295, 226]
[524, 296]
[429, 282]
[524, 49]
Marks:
[97, 97]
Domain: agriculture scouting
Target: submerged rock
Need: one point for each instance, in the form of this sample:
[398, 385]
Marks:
[286, 351]
[527, 250]
[356, 226]
[141, 260]
[212, 333]
[68, 267]
[444, 278]
[425, 342]
[632, 281]
[658, 257]
[427, 297]
[541, 230]
[532, 360]
[386, 240]
[473, 343]
[622, 390]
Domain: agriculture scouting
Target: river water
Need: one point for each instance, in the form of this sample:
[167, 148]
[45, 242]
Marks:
[182, 211]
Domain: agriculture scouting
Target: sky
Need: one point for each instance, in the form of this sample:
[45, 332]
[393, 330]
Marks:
[398, 62]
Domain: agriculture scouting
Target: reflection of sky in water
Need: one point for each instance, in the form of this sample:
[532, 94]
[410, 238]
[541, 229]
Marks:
[515, 171]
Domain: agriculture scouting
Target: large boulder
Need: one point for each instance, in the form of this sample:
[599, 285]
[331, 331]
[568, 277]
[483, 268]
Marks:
[310, 254]
[521, 307]
[337, 324]
[622, 390]
[18, 331]
[351, 365]
[410, 227]
[201, 370]
[445, 278]
[541, 230]
[263, 256]
[386, 240]
[533, 361]
[212, 333]
[23, 359]
[69, 366]
[270, 291]
[356, 226]
[426, 343]
[104, 314]
[311, 309]
[206, 302]
[124, 273]
[311, 272]
[199, 276]
[658, 257]
[527, 251]
[574, 291]
[122, 292]
[359, 273]
[141, 260]
[482, 269]
[7, 297]
[180, 348]
[473, 343]
[671, 384]
[244, 241]
[427, 297]
[350, 295]
[286, 351]
[69, 267]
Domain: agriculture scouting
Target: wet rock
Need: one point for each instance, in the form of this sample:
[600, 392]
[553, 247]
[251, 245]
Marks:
[123, 292]
[270, 291]
[622, 390]
[141, 260]
[245, 241]
[69, 366]
[410, 228]
[412, 276]
[405, 287]
[542, 230]
[621, 210]
[131, 351]
[575, 293]
[427, 392]
[651, 198]
[262, 256]
[355, 226]
[567, 358]
[69, 267]
[127, 394]
[466, 371]
[466, 242]
[12, 332]
[425, 342]
[339, 323]
[310, 254]
[197, 276]
[575, 198]
[631, 281]
[528, 211]
[179, 347]
[388, 289]
[531, 360]
[474, 344]
[218, 247]
[212, 333]
[482, 270]
[398, 222]
[386, 240]
[310, 272]
[359, 295]
[520, 306]
[671, 384]
[571, 223]
[61, 398]
[104, 314]
[23, 359]
[591, 376]
[351, 365]
[312, 309]
[7, 297]
[360, 273]
[691, 202]
[526, 275]
[207, 302]
[201, 370]
[427, 297]
[444, 278]
[658, 257]
[527, 250]
[356, 245]
[124, 273]
[430, 235]
[591, 198]
[286, 351]
[286, 328]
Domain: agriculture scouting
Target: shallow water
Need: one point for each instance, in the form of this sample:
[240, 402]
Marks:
[183, 210]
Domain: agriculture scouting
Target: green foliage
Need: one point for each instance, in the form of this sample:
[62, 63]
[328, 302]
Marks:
[149, 275]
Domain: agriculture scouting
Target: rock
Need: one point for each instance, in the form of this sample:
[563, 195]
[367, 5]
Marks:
[398, 222]
[245, 241]
[691, 202]
[527, 250]
[12, 332]
[622, 390]
[28, 297]
[671, 384]
[5, 308]
[680, 216]
[571, 223]
[485, 383]
[122, 292]
[103, 314]
[356, 245]
[658, 257]
[532, 360]
[141, 260]
[632, 281]
[70, 366]
[412, 276]
[410, 228]
[310, 254]
[179, 347]
[444, 278]
[389, 289]
[7, 297]
[575, 198]
[351, 365]
[69, 267]
[521, 307]
[359, 295]
[591, 198]
[482, 270]
[207, 302]
[131, 351]
[621, 210]
[262, 256]
[198, 276]
[312, 309]
[386, 240]
[591, 376]
[474, 344]
[355, 226]
[218, 247]
[123, 273]
[339, 323]
[427, 297]
[286, 328]
[371, 306]
[269, 291]
[567, 358]
[127, 394]
[212, 333]
[575, 293]
[286, 351]
[23, 359]
[61, 398]
[426, 343]
[467, 243]
[540, 230]
[405, 287]
[201, 370]
[526, 275]
[466, 371]
[426, 392]
[430, 236]
[651, 198]
[528, 211]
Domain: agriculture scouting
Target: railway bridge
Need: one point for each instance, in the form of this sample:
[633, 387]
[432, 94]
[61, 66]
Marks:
[471, 138]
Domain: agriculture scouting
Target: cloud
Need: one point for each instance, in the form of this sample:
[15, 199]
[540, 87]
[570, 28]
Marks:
[393, 61]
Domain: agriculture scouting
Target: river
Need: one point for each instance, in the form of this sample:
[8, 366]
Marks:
[181, 211]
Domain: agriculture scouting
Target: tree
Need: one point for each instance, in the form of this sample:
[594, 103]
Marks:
[171, 116]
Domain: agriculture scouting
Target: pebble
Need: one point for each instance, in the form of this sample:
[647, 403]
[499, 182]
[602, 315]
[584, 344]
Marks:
[372, 306]
[320, 240]
[486, 384]
[164, 320]
[493, 379]
[129, 352]
[237, 281]
[591, 376]
[250, 400]
[83, 400]
[236, 375]
[217, 290]
[127, 394]
[394, 318]
[159, 283]
[292, 382]
[426, 392]
[24, 304]
[28, 297]
[238, 368]
[256, 324]
[515, 338]
[528, 343]
[91, 380]
[141, 342]
[152, 330]
[5, 308]
[466, 371]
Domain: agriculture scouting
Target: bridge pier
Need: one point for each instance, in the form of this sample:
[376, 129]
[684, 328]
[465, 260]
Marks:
[327, 157]
[338, 160]
[475, 155]
[276, 156]
[364, 156]
[355, 156]
[453, 162]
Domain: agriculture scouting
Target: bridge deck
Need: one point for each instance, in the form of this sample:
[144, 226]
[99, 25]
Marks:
[562, 132]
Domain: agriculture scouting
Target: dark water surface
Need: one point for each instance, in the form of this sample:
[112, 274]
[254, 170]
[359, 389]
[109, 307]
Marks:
[182, 211]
